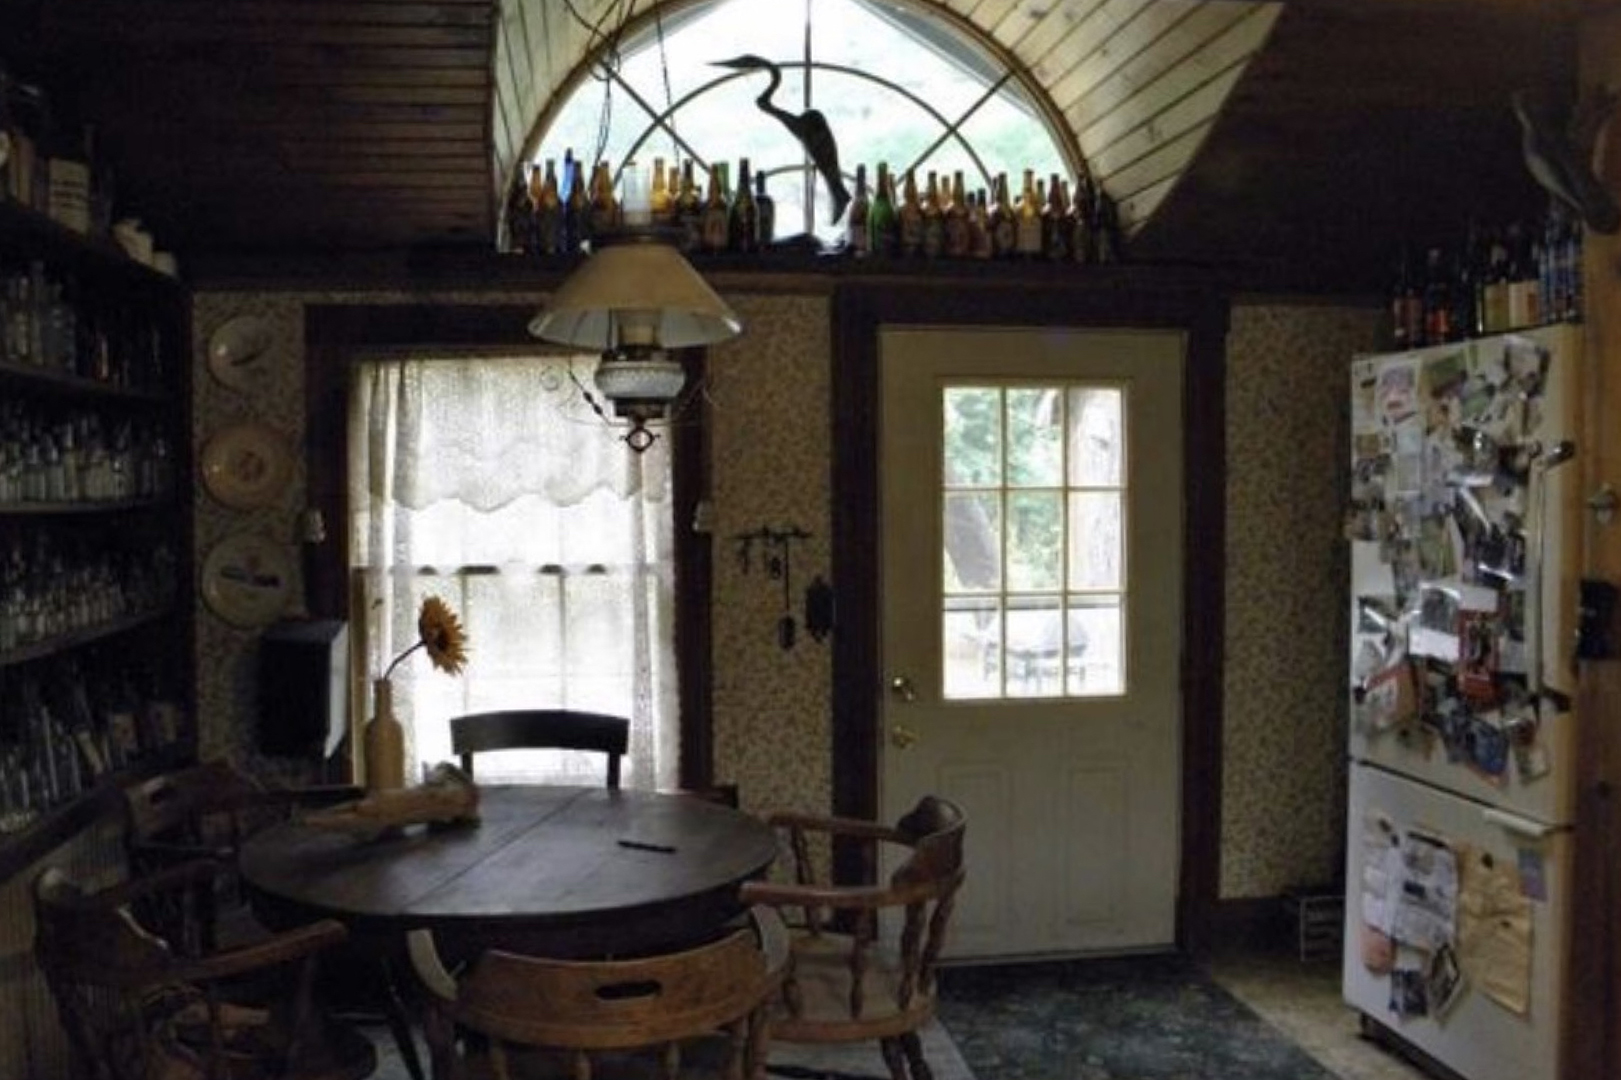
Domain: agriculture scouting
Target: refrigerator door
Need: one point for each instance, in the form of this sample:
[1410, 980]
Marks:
[1535, 782]
[1482, 1032]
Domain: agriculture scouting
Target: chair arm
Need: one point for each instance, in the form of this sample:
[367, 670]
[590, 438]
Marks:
[429, 965]
[307, 795]
[839, 826]
[282, 948]
[195, 872]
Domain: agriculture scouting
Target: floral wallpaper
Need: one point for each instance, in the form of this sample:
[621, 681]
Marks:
[1282, 789]
[1283, 754]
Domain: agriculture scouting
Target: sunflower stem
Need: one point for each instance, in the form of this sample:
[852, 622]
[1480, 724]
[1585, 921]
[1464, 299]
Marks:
[401, 657]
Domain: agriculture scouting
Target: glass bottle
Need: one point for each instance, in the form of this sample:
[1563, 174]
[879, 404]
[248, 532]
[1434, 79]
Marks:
[743, 224]
[1000, 217]
[910, 216]
[576, 209]
[518, 210]
[689, 210]
[1055, 225]
[767, 207]
[660, 198]
[548, 231]
[934, 219]
[883, 220]
[979, 227]
[1027, 220]
[604, 206]
[857, 238]
[716, 221]
[959, 240]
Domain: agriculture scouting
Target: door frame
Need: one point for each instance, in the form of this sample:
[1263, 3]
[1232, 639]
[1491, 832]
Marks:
[1125, 297]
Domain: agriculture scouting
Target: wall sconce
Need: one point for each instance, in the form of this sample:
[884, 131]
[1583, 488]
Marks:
[632, 300]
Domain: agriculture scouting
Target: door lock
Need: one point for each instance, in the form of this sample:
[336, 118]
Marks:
[902, 689]
[902, 737]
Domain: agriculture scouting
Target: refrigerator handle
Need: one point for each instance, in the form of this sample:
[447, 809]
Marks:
[1532, 830]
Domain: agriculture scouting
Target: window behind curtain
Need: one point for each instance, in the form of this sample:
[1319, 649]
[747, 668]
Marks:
[549, 538]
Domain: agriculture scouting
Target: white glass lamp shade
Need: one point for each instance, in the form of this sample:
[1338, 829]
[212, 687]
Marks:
[635, 290]
[640, 383]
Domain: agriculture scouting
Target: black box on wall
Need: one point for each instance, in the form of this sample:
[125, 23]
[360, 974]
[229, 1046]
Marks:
[303, 688]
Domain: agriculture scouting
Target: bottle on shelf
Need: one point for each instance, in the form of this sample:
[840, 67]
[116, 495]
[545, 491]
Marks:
[548, 213]
[883, 218]
[716, 218]
[1027, 220]
[689, 210]
[519, 211]
[605, 210]
[1437, 298]
[910, 216]
[743, 223]
[1056, 231]
[661, 200]
[576, 206]
[979, 227]
[959, 238]
[857, 240]
[1003, 227]
[767, 209]
[933, 218]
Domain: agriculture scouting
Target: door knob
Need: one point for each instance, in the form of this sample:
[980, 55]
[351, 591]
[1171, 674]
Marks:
[902, 737]
[901, 687]
[1603, 503]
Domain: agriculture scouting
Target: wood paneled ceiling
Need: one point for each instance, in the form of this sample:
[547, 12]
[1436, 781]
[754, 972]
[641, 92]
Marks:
[1296, 145]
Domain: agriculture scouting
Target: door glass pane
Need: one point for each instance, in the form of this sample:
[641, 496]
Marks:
[1035, 426]
[1034, 586]
[1035, 552]
[1098, 449]
[973, 436]
[972, 530]
[972, 648]
[1096, 632]
[1095, 540]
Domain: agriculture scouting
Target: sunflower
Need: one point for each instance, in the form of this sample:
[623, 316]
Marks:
[441, 634]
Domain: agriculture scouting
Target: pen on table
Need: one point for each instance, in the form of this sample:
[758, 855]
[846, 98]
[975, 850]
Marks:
[642, 845]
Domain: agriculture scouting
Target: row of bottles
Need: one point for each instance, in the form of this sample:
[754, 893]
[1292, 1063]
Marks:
[65, 723]
[1500, 278]
[58, 584]
[75, 455]
[1046, 222]
[51, 165]
[549, 214]
[49, 321]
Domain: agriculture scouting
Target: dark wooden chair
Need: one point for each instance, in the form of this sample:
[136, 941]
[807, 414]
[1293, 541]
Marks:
[537, 729]
[695, 1013]
[844, 984]
[205, 811]
[136, 1008]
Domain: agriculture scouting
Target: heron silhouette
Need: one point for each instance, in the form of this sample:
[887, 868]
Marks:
[809, 127]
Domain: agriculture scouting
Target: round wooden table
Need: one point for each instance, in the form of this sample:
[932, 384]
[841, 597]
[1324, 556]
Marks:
[552, 871]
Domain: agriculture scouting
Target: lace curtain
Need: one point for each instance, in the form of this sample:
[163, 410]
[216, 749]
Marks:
[483, 481]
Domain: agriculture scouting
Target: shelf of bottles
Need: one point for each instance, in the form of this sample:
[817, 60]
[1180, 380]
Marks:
[552, 211]
[1500, 278]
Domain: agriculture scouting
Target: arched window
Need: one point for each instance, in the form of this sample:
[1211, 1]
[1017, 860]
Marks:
[897, 84]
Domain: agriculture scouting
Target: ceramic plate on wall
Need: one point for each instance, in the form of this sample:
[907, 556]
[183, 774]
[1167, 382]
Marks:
[248, 579]
[239, 352]
[247, 465]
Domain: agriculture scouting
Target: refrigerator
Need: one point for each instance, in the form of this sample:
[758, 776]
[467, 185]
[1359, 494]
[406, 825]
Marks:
[1464, 524]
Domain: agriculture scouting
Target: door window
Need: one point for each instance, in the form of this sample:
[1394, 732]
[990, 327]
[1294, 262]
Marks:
[1033, 497]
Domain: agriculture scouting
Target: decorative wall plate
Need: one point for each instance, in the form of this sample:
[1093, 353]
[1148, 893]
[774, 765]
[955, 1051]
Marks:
[248, 579]
[239, 352]
[247, 465]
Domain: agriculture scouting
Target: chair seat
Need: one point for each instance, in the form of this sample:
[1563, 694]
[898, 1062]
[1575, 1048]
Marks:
[821, 978]
[253, 1047]
[701, 1059]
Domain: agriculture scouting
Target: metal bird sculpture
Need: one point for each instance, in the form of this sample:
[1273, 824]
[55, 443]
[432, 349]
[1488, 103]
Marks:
[809, 127]
[1559, 155]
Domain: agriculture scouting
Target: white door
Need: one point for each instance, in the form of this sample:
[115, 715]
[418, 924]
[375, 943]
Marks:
[1031, 515]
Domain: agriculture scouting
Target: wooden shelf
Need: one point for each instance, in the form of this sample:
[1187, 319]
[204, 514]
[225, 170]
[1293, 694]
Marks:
[52, 242]
[39, 650]
[62, 382]
[58, 825]
[82, 506]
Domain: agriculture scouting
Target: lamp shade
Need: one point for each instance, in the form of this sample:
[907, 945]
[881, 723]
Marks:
[636, 290]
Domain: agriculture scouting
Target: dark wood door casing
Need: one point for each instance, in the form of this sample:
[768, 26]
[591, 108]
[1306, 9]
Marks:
[1115, 299]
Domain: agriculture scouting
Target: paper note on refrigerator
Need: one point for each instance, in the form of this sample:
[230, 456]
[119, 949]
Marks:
[1494, 931]
[1425, 915]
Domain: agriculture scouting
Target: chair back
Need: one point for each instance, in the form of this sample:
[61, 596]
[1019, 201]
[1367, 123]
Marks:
[196, 805]
[665, 1005]
[540, 729]
[135, 1009]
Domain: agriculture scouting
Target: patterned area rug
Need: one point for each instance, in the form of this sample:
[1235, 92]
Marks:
[1137, 1018]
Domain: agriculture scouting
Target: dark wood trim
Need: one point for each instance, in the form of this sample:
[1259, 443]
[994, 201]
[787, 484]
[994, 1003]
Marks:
[336, 336]
[1130, 297]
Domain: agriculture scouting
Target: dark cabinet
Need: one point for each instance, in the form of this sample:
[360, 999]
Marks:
[96, 640]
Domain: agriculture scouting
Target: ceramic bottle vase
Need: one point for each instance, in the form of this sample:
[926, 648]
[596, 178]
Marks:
[385, 741]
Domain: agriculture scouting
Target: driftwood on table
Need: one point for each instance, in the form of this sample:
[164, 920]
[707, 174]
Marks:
[448, 795]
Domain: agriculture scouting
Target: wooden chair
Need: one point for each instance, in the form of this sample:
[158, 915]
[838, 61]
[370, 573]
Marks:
[532, 729]
[205, 811]
[696, 1013]
[843, 985]
[136, 1009]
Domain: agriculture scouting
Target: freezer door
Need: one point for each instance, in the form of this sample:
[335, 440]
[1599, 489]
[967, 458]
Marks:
[1503, 1021]
[1537, 781]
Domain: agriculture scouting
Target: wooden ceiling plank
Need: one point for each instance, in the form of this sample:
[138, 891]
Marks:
[1230, 48]
[1183, 115]
[1088, 36]
[1049, 31]
[1138, 209]
[1022, 17]
[1167, 160]
[1130, 40]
